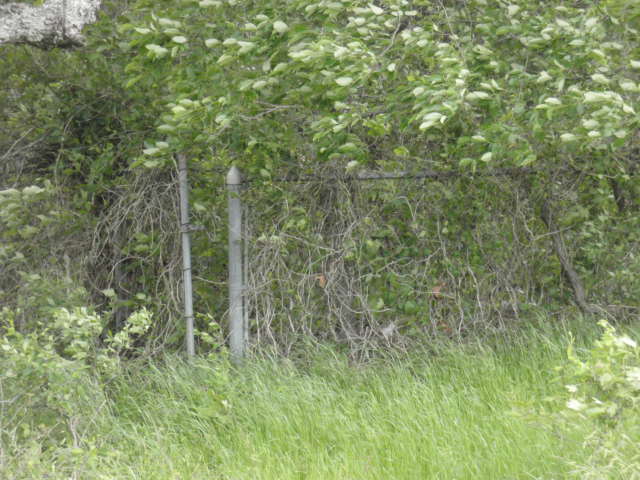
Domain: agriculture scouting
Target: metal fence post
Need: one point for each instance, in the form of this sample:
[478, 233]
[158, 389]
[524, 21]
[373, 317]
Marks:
[236, 290]
[186, 252]
[245, 273]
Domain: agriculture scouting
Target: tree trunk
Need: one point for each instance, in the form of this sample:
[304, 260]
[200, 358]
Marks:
[568, 272]
[56, 23]
[618, 195]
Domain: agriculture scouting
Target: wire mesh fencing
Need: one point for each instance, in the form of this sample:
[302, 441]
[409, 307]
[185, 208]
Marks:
[370, 260]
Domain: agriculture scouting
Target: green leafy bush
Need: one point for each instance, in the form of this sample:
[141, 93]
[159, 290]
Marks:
[53, 384]
[606, 384]
[331, 89]
[603, 388]
[334, 89]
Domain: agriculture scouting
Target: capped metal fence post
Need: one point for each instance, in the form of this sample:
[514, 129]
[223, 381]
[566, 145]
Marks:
[236, 288]
[185, 228]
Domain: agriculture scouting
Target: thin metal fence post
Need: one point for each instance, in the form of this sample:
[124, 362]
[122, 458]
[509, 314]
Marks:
[186, 252]
[245, 272]
[236, 290]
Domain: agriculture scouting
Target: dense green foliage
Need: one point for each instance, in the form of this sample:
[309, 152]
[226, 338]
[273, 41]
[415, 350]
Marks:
[546, 96]
[515, 127]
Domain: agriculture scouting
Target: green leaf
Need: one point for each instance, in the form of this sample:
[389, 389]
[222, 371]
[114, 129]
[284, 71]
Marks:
[344, 81]
[157, 50]
[280, 27]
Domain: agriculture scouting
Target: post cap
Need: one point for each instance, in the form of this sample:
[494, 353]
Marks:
[234, 177]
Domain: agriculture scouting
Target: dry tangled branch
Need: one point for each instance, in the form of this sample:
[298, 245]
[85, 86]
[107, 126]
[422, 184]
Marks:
[368, 262]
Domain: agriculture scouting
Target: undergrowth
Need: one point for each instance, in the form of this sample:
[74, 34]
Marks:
[448, 412]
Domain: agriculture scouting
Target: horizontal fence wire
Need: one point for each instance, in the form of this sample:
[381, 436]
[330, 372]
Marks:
[368, 175]
[420, 175]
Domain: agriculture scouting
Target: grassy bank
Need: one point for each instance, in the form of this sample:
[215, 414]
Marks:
[459, 413]
[455, 412]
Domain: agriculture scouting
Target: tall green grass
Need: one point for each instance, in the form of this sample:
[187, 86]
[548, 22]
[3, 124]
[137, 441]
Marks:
[453, 413]
[450, 411]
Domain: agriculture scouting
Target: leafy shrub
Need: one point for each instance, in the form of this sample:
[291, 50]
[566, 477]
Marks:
[606, 385]
[52, 388]
[604, 388]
